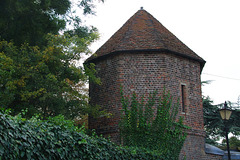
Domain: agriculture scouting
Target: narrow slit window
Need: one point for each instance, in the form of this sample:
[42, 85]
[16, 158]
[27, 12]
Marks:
[183, 90]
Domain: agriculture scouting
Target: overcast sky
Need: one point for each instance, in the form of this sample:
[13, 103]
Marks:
[211, 28]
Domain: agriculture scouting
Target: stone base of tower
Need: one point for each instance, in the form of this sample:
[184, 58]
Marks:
[194, 149]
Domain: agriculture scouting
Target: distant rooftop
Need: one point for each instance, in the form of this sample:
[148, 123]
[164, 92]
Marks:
[213, 150]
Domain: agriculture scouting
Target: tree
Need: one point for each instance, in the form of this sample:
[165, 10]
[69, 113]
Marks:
[44, 81]
[213, 123]
[234, 143]
[38, 65]
[162, 133]
[6, 73]
[31, 20]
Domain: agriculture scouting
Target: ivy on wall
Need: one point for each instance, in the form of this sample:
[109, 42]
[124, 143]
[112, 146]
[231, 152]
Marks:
[152, 125]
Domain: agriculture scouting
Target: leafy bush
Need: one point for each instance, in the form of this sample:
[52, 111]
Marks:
[153, 126]
[56, 138]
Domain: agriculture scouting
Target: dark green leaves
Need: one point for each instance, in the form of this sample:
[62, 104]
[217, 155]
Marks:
[57, 138]
[31, 20]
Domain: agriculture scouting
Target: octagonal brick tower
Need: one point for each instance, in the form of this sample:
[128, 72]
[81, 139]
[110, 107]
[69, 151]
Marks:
[143, 56]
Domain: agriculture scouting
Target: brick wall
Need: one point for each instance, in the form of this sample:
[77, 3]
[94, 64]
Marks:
[194, 148]
[106, 95]
[144, 73]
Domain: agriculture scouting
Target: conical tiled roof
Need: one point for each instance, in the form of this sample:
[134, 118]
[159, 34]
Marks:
[143, 32]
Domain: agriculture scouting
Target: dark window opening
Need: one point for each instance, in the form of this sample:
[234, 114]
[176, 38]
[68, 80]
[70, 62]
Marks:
[183, 89]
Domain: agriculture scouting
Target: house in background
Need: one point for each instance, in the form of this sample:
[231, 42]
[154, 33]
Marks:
[143, 57]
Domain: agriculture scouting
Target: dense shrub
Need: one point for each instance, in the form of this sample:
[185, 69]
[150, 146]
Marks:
[57, 138]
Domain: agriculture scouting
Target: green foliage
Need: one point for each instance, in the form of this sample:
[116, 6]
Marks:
[153, 125]
[234, 142]
[46, 80]
[6, 73]
[56, 138]
[214, 125]
[212, 122]
[31, 20]
[41, 44]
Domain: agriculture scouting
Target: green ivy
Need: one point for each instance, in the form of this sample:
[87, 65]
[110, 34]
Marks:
[57, 138]
[153, 125]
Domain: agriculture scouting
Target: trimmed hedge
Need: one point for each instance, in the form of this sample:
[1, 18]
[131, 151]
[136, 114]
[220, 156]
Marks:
[57, 138]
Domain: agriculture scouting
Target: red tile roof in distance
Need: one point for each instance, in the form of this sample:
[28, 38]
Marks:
[142, 32]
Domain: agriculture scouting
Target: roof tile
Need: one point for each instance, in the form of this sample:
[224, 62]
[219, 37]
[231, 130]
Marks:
[143, 32]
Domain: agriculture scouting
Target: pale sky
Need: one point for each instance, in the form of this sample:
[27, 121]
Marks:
[211, 28]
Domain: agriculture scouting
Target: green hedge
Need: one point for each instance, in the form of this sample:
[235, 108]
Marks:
[57, 138]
